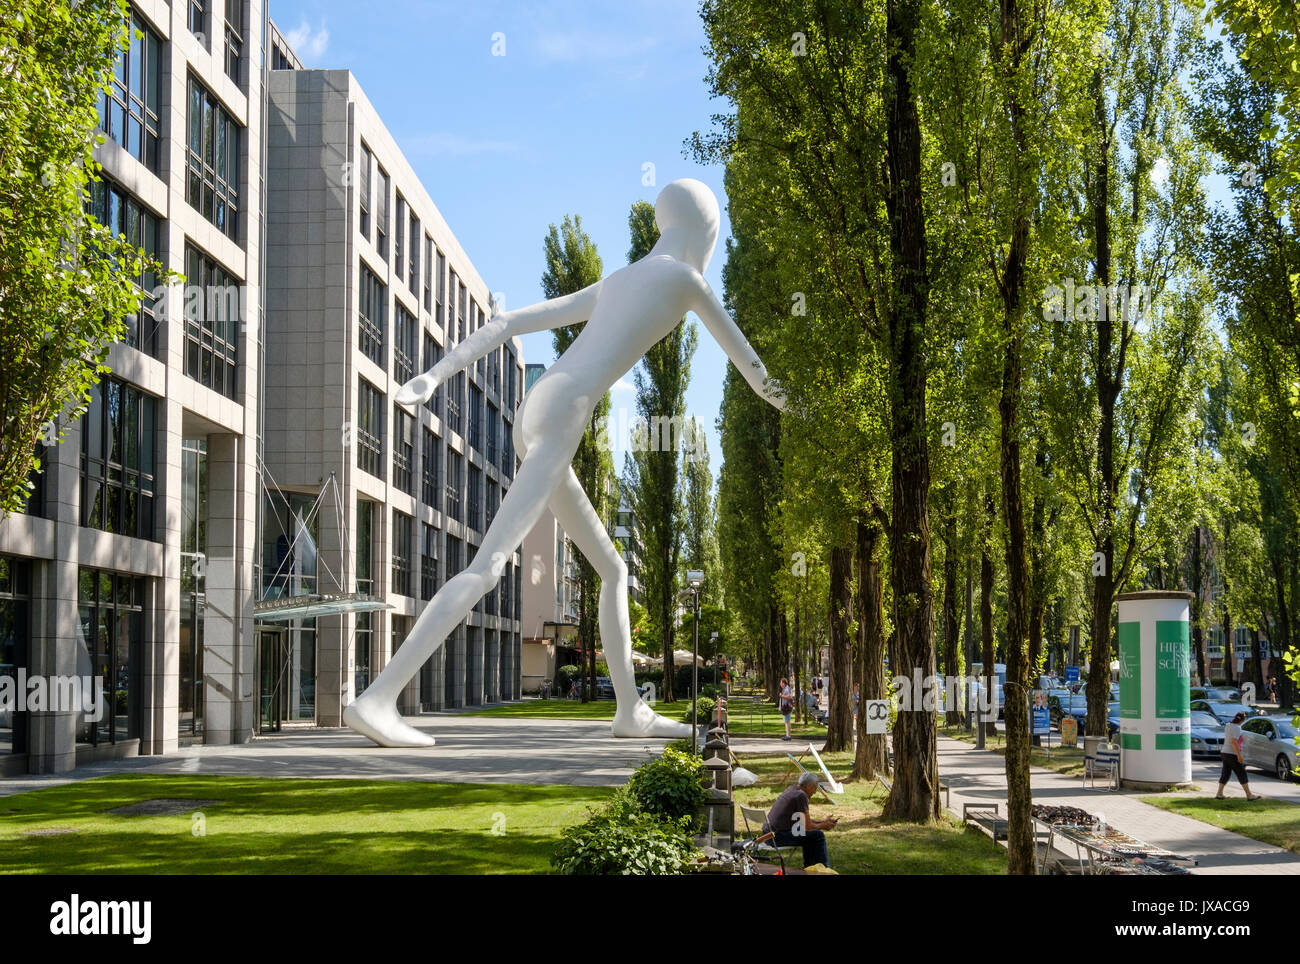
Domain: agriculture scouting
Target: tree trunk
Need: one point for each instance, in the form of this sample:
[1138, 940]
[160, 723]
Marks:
[839, 725]
[952, 618]
[915, 795]
[1283, 641]
[1257, 665]
[1198, 619]
[986, 617]
[873, 754]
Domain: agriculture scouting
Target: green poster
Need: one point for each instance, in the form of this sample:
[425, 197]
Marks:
[1130, 671]
[1173, 669]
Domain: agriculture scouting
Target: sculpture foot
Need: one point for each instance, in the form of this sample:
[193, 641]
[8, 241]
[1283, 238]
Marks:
[641, 721]
[381, 722]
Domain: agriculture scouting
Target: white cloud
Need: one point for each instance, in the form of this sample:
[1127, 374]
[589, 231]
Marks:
[309, 44]
[622, 385]
[450, 144]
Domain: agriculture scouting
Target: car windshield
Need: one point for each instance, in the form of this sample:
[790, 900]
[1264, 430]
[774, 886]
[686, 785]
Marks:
[1203, 719]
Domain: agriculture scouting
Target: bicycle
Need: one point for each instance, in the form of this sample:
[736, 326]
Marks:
[742, 853]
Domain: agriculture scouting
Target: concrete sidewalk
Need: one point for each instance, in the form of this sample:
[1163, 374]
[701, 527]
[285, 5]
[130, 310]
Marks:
[470, 749]
[979, 776]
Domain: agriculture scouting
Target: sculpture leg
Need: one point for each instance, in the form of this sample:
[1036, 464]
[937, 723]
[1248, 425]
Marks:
[633, 717]
[374, 712]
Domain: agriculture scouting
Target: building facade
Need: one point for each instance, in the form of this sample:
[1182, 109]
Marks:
[183, 562]
[371, 288]
[133, 566]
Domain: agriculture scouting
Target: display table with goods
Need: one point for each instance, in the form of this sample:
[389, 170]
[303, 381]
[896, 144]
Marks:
[1098, 847]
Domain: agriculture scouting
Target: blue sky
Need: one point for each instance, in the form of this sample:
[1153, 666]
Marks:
[584, 96]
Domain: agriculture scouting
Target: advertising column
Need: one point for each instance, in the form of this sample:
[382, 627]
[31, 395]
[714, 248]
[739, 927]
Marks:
[1154, 688]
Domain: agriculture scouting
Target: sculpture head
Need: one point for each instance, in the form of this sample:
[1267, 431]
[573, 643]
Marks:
[687, 215]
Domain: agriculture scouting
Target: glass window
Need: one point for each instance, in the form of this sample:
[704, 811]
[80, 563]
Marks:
[213, 177]
[14, 646]
[432, 355]
[428, 561]
[117, 461]
[404, 347]
[401, 553]
[403, 450]
[372, 300]
[476, 417]
[428, 273]
[199, 17]
[213, 309]
[381, 215]
[429, 465]
[413, 268]
[451, 488]
[125, 216]
[370, 429]
[363, 190]
[475, 498]
[110, 637]
[128, 109]
[235, 40]
[399, 236]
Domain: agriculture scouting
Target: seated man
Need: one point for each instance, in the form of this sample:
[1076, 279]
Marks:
[793, 825]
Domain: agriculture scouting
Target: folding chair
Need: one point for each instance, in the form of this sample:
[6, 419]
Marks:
[759, 817]
[1105, 763]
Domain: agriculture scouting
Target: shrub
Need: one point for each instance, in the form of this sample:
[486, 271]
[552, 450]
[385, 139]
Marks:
[671, 786]
[622, 838]
[564, 677]
[706, 711]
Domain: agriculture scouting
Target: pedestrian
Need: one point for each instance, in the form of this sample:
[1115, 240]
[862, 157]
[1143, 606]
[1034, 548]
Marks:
[1231, 756]
[786, 706]
[794, 826]
[857, 697]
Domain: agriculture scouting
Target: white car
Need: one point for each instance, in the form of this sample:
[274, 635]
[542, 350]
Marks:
[1268, 742]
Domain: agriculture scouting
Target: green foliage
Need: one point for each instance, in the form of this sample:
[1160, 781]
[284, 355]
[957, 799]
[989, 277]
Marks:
[706, 707]
[65, 279]
[671, 786]
[623, 838]
[564, 677]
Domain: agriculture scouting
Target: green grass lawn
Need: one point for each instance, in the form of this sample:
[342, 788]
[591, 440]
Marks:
[863, 843]
[273, 826]
[1269, 820]
[764, 720]
[1062, 759]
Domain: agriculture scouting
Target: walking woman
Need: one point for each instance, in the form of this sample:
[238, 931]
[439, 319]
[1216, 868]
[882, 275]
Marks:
[1231, 755]
[786, 705]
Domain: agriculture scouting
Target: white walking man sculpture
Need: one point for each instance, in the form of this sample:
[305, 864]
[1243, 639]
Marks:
[625, 314]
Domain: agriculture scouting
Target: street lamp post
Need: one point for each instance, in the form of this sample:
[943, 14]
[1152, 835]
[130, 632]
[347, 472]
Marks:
[695, 579]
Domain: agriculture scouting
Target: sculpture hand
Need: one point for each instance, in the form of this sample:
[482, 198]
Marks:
[417, 391]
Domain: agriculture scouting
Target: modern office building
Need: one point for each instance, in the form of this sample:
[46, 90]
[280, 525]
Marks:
[133, 564]
[369, 288]
[171, 551]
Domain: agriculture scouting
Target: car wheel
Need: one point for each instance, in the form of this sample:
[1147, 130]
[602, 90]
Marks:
[1283, 767]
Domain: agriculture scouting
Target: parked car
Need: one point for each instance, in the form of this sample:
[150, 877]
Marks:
[1268, 742]
[604, 688]
[1207, 734]
[1224, 712]
[1112, 720]
[1061, 703]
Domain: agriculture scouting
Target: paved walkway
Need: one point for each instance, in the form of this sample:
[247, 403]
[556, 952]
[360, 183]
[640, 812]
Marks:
[980, 776]
[470, 749]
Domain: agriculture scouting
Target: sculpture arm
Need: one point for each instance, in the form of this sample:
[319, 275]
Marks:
[732, 341]
[569, 309]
